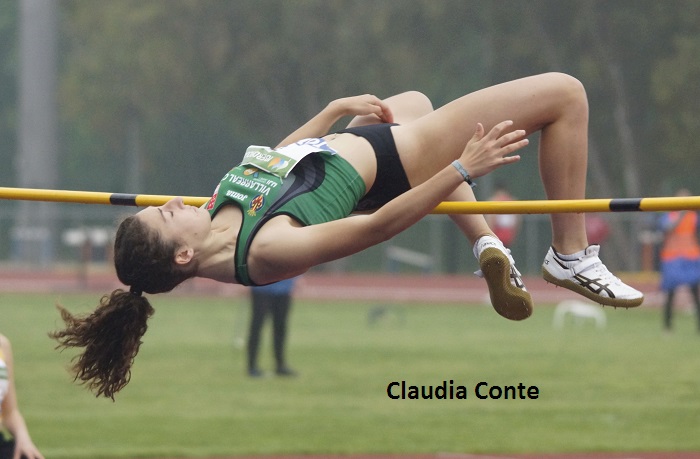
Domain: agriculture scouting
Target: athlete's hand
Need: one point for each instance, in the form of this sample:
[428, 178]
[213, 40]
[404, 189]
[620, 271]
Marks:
[25, 449]
[364, 105]
[486, 152]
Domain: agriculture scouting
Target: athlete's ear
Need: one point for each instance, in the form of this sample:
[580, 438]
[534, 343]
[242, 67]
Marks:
[184, 255]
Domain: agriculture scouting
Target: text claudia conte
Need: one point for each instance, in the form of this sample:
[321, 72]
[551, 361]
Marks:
[448, 390]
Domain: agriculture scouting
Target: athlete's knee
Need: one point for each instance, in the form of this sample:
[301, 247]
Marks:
[570, 95]
[572, 90]
[420, 100]
[416, 102]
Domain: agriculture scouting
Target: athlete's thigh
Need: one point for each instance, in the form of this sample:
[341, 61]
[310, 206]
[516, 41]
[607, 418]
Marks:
[431, 142]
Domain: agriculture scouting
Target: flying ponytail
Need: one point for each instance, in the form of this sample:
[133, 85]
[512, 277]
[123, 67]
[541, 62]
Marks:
[111, 335]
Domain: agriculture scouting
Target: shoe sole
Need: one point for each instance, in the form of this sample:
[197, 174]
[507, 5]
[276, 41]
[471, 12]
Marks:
[508, 300]
[604, 300]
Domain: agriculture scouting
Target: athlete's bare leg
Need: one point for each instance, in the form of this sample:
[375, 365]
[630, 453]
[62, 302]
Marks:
[553, 103]
[556, 105]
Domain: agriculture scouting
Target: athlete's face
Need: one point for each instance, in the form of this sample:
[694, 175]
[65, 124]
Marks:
[175, 220]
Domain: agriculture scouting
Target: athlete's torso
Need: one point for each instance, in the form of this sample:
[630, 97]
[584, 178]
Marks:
[306, 181]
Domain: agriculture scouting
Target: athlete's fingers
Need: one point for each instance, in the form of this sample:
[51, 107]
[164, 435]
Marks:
[488, 151]
[380, 109]
[510, 160]
[511, 137]
[387, 116]
[478, 132]
[497, 131]
[513, 146]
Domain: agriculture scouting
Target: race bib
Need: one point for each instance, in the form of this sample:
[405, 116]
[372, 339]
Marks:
[280, 162]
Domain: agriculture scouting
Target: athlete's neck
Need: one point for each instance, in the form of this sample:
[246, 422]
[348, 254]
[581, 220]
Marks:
[217, 257]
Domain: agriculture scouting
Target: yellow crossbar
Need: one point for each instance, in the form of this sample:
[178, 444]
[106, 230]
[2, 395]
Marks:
[483, 207]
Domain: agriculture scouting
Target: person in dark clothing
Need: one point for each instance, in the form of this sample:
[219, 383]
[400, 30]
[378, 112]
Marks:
[272, 300]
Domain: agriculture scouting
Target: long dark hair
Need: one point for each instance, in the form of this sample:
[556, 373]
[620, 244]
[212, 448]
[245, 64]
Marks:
[111, 335]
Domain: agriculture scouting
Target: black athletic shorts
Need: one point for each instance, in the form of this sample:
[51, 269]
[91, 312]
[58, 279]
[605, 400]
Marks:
[391, 179]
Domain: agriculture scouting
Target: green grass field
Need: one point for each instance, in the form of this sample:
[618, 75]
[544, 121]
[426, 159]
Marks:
[628, 387]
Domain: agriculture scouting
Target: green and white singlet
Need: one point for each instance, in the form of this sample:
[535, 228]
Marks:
[307, 181]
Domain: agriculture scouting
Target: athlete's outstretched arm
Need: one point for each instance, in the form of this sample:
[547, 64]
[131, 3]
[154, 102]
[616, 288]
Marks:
[320, 124]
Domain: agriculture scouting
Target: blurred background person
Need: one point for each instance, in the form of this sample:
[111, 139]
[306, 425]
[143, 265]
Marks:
[273, 300]
[20, 444]
[680, 257]
[504, 226]
[597, 228]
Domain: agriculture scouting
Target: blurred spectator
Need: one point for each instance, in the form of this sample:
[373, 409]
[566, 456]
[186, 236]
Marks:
[680, 257]
[597, 229]
[19, 444]
[270, 300]
[504, 226]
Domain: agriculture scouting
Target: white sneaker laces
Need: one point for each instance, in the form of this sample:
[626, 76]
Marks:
[592, 262]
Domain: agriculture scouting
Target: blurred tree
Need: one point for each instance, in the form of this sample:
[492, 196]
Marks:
[675, 88]
[205, 78]
[144, 63]
[220, 75]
